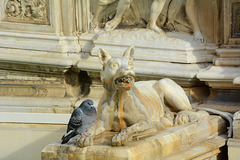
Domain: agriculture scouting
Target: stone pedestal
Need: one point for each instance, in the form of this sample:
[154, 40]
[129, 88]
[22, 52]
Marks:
[195, 140]
[151, 46]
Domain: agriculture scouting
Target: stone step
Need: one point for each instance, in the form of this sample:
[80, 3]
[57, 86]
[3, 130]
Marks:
[34, 118]
[236, 81]
[224, 52]
[234, 41]
[233, 148]
[207, 150]
[220, 76]
[227, 61]
[232, 46]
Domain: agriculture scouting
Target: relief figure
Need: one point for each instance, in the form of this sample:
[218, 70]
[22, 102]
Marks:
[157, 8]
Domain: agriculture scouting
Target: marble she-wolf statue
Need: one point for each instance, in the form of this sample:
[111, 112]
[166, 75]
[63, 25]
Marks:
[130, 107]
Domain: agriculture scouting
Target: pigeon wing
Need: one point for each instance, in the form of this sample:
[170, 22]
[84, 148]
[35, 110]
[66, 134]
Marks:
[75, 120]
[74, 123]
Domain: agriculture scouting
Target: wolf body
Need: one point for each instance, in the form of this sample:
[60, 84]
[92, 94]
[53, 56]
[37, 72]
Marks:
[130, 107]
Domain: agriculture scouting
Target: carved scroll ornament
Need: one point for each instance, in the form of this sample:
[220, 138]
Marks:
[29, 11]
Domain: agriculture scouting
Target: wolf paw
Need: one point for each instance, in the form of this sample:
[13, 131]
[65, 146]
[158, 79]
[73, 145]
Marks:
[185, 117]
[85, 140]
[120, 139]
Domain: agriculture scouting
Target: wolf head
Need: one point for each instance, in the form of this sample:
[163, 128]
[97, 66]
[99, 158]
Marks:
[117, 73]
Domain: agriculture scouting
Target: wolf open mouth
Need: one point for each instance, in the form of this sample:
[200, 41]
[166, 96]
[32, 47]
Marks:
[125, 81]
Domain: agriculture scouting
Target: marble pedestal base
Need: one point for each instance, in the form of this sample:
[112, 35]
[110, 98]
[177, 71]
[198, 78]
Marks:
[194, 140]
[150, 46]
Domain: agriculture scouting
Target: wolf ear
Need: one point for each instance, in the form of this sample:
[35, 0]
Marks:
[103, 56]
[129, 52]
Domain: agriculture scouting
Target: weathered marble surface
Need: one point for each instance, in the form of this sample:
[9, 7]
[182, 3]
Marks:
[236, 125]
[174, 55]
[172, 47]
[233, 148]
[234, 143]
[165, 144]
[37, 47]
[225, 70]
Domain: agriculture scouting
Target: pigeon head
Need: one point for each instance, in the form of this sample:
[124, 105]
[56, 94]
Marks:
[87, 107]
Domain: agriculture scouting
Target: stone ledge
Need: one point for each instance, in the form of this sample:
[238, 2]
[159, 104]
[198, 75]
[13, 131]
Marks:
[236, 81]
[34, 57]
[166, 142]
[37, 118]
[183, 74]
[233, 148]
[39, 42]
[220, 76]
[234, 143]
[224, 52]
[210, 149]
[172, 47]
[221, 107]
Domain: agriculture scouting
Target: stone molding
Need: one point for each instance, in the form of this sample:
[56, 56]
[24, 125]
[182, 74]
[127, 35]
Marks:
[220, 77]
[42, 118]
[32, 91]
[183, 74]
[224, 71]
[236, 81]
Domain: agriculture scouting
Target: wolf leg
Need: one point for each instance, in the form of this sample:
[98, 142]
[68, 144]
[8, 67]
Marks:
[184, 117]
[87, 139]
[122, 138]
[173, 94]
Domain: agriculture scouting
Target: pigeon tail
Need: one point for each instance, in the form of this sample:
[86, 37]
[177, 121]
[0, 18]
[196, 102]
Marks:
[67, 136]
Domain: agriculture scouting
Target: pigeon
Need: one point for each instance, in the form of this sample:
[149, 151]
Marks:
[81, 120]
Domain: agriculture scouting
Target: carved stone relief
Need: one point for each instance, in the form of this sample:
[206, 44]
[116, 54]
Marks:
[20, 83]
[236, 20]
[27, 11]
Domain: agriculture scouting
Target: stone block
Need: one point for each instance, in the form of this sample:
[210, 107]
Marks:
[175, 47]
[236, 125]
[170, 142]
[233, 148]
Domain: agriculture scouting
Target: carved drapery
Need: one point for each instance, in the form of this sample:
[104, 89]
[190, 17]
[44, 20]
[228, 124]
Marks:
[27, 11]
